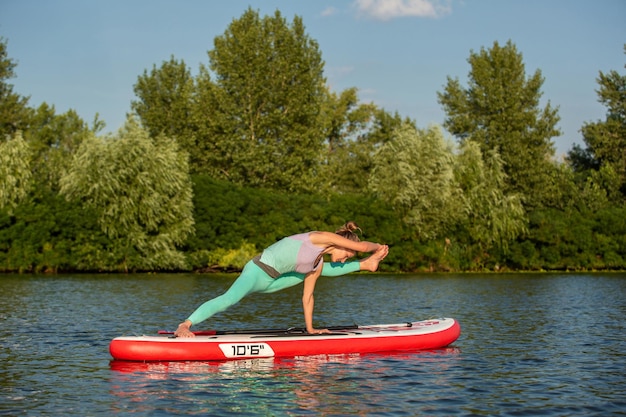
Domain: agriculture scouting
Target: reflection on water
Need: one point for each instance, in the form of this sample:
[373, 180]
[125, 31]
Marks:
[333, 383]
[531, 344]
[309, 363]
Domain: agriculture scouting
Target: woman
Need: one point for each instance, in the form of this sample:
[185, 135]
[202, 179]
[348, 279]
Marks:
[289, 262]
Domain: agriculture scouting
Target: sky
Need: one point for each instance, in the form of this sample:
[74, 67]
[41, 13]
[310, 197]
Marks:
[87, 55]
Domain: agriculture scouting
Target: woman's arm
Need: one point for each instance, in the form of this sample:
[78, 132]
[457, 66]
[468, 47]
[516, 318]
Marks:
[308, 301]
[336, 269]
[333, 239]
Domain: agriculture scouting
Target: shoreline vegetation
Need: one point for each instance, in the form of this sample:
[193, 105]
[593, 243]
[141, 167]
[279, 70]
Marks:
[232, 224]
[211, 168]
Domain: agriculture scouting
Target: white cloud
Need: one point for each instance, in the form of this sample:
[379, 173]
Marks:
[391, 9]
[329, 11]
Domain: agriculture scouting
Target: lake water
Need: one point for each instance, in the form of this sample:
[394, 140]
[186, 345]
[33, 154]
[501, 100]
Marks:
[531, 344]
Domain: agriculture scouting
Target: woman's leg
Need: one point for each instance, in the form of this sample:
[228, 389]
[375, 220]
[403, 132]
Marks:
[287, 280]
[333, 269]
[336, 269]
[252, 279]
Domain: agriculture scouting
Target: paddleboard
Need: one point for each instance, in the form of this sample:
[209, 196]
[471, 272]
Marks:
[267, 343]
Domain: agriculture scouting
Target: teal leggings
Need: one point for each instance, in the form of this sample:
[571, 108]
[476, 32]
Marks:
[254, 279]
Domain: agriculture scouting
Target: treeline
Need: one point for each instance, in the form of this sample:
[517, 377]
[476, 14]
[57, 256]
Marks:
[210, 169]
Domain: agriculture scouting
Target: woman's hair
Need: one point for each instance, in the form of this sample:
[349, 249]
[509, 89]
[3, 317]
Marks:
[347, 231]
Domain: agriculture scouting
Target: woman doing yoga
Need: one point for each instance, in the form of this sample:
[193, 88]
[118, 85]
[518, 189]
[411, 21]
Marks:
[290, 261]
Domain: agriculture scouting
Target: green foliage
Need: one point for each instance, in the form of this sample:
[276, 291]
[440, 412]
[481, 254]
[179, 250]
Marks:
[46, 233]
[15, 171]
[224, 259]
[274, 152]
[14, 111]
[500, 111]
[260, 115]
[590, 190]
[54, 139]
[228, 218]
[606, 140]
[166, 105]
[414, 172]
[265, 102]
[353, 134]
[491, 216]
[562, 188]
[353, 168]
[142, 191]
[572, 240]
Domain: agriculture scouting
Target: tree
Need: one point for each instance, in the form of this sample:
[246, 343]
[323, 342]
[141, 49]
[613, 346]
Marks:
[414, 171]
[54, 138]
[142, 191]
[500, 111]
[491, 217]
[14, 111]
[165, 104]
[351, 139]
[606, 140]
[264, 104]
[15, 171]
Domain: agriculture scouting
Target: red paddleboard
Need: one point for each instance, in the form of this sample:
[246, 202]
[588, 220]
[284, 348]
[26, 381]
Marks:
[245, 344]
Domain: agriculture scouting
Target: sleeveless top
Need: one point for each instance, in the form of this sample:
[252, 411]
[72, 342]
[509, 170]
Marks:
[293, 254]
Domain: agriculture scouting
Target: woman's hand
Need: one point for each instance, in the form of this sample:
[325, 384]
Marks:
[183, 330]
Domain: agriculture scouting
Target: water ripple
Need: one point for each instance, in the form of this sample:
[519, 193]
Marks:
[531, 345]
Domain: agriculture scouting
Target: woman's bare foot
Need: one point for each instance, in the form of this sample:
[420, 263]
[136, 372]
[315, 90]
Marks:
[371, 262]
[183, 330]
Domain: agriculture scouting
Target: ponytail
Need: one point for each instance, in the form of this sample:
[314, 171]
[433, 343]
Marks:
[348, 231]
